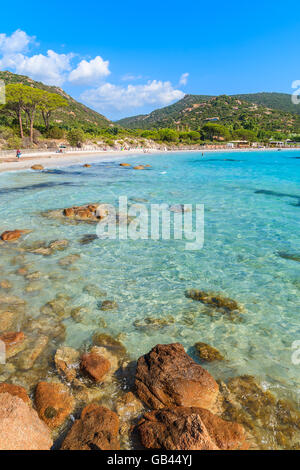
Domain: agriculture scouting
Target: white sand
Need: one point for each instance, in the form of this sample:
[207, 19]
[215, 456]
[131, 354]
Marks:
[54, 160]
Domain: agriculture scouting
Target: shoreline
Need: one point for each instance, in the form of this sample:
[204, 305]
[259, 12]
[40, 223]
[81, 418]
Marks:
[51, 159]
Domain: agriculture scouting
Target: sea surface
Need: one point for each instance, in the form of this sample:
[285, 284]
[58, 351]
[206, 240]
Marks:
[250, 254]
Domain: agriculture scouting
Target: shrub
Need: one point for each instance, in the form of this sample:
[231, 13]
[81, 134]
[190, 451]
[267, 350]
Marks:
[56, 133]
[76, 137]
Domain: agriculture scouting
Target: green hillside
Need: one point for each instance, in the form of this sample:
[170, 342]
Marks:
[74, 114]
[281, 101]
[193, 111]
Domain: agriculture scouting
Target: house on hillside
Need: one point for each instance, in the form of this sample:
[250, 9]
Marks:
[212, 119]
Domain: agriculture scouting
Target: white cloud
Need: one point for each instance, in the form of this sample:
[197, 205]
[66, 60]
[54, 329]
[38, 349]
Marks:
[50, 69]
[130, 78]
[184, 78]
[91, 72]
[109, 96]
[17, 42]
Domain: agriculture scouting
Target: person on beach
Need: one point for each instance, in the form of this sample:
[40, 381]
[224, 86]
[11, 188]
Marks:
[18, 154]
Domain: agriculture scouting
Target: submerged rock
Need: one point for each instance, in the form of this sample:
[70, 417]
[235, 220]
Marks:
[30, 355]
[154, 323]
[214, 300]
[111, 344]
[125, 164]
[290, 256]
[182, 428]
[9, 320]
[46, 249]
[58, 306]
[5, 284]
[54, 403]
[273, 424]
[97, 429]
[208, 353]
[68, 260]
[94, 291]
[109, 305]
[88, 238]
[167, 376]
[20, 426]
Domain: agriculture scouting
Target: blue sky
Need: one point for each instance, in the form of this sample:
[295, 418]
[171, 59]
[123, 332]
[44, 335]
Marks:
[126, 58]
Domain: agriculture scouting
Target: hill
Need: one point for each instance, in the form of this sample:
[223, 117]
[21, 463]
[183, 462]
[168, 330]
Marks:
[76, 113]
[281, 101]
[193, 111]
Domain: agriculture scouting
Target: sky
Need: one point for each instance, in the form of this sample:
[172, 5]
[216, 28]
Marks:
[126, 58]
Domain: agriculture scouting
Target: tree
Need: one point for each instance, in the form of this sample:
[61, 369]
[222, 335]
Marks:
[33, 100]
[16, 97]
[210, 131]
[245, 134]
[76, 137]
[51, 102]
[167, 135]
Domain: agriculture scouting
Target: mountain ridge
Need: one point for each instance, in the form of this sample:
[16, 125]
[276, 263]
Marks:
[270, 111]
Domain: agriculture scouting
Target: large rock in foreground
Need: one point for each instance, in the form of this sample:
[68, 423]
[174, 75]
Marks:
[20, 426]
[54, 403]
[97, 429]
[189, 429]
[167, 377]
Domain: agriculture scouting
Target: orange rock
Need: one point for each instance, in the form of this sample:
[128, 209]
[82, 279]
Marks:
[97, 429]
[12, 235]
[69, 212]
[139, 167]
[95, 365]
[87, 165]
[37, 167]
[53, 402]
[15, 390]
[22, 271]
[125, 164]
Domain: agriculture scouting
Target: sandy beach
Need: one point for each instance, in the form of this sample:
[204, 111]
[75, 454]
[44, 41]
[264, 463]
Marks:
[53, 159]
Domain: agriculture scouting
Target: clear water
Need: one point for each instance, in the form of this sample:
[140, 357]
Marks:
[244, 231]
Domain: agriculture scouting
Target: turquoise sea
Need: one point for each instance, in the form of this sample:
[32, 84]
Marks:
[252, 213]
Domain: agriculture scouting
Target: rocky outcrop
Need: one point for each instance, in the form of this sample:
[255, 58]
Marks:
[207, 353]
[97, 429]
[20, 426]
[53, 403]
[192, 428]
[167, 377]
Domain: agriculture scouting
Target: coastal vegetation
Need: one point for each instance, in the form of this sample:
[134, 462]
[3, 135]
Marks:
[40, 116]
